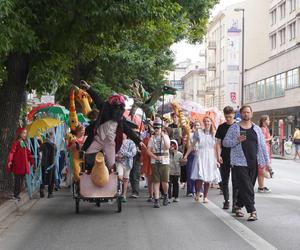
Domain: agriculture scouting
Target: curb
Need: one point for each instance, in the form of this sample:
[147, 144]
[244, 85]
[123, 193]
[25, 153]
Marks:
[281, 157]
[10, 206]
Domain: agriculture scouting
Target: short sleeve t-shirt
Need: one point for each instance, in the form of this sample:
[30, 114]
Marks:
[250, 146]
[156, 144]
[220, 134]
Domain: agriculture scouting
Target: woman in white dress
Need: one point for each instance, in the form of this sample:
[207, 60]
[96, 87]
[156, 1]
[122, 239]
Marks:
[205, 166]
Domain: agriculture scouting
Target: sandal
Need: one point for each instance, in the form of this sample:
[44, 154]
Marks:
[197, 197]
[239, 213]
[252, 217]
[205, 200]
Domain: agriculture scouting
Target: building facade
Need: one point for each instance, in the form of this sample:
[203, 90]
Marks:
[194, 86]
[185, 78]
[224, 50]
[273, 86]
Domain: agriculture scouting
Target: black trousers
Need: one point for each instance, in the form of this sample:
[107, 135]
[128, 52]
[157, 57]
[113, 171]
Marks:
[225, 170]
[246, 178]
[174, 186]
[19, 180]
[134, 177]
[48, 178]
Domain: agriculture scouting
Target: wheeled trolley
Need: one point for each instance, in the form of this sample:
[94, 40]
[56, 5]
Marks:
[85, 190]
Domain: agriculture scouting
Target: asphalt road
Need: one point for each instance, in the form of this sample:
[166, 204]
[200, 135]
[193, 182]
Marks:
[52, 223]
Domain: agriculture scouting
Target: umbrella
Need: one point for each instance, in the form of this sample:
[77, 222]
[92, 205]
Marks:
[166, 108]
[191, 106]
[37, 108]
[59, 112]
[82, 118]
[136, 119]
[41, 125]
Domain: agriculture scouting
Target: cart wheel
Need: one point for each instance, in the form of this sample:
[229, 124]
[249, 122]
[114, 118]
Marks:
[98, 203]
[119, 204]
[77, 205]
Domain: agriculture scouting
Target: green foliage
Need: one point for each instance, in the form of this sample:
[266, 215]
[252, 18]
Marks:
[118, 40]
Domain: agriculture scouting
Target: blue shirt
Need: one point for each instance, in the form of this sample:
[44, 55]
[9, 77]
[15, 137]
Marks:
[237, 156]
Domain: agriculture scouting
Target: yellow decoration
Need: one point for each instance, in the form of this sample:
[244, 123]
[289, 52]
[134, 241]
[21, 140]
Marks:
[37, 127]
[184, 121]
[72, 116]
[100, 174]
[84, 99]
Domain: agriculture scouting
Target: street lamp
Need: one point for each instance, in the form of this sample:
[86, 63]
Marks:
[243, 51]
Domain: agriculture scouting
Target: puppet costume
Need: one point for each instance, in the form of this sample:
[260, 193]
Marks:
[109, 129]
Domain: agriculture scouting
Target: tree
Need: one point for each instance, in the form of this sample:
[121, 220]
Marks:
[44, 43]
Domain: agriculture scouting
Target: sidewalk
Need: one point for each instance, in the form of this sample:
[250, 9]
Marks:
[285, 157]
[10, 206]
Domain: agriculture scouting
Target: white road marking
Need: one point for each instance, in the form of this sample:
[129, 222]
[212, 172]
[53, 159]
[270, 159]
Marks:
[279, 196]
[244, 232]
[287, 180]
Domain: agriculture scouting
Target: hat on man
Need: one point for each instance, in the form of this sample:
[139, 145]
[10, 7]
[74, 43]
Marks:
[157, 122]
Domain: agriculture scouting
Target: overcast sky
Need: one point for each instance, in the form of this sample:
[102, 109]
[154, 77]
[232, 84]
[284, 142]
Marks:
[183, 50]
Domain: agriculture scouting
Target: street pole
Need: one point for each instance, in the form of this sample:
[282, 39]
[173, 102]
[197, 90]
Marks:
[243, 53]
[243, 57]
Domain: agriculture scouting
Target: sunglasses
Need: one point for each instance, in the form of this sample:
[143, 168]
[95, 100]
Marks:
[156, 127]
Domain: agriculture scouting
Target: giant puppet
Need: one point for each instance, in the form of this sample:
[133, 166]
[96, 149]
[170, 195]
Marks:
[76, 139]
[145, 100]
[108, 129]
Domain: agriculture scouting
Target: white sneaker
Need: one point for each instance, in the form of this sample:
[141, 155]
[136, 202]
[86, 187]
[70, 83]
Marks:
[175, 200]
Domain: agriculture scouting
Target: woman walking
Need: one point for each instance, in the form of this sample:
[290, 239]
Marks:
[17, 162]
[264, 123]
[296, 141]
[205, 166]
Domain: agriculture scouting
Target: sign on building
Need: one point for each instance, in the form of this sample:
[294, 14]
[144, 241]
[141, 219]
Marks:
[178, 84]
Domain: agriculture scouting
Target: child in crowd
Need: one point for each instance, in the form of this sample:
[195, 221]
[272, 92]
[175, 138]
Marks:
[18, 158]
[125, 162]
[175, 158]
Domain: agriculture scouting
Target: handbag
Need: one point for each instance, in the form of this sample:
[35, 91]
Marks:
[266, 173]
[296, 141]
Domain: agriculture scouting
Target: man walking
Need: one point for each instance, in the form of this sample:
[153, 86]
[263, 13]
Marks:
[48, 165]
[224, 159]
[248, 151]
[158, 150]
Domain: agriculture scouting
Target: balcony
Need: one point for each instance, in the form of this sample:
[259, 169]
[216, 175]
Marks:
[210, 90]
[212, 66]
[202, 53]
[212, 45]
[200, 93]
[298, 11]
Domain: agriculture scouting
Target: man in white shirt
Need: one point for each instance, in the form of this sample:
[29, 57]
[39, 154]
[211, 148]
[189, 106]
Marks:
[158, 150]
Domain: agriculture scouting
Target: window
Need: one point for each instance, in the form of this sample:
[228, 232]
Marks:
[273, 17]
[282, 10]
[292, 4]
[292, 31]
[246, 93]
[292, 78]
[252, 92]
[270, 86]
[261, 90]
[273, 41]
[280, 84]
[282, 36]
[222, 54]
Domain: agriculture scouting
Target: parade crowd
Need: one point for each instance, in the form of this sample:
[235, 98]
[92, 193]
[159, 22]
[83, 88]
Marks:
[162, 154]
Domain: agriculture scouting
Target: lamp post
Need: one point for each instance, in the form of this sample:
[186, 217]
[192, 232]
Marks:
[243, 51]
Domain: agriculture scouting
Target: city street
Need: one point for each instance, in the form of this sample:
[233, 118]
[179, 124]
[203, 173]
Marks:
[52, 223]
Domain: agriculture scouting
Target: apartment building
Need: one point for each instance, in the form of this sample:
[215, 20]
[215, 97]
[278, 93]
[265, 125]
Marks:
[188, 79]
[273, 86]
[224, 50]
[194, 86]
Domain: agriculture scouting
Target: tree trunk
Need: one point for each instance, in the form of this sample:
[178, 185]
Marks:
[11, 96]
